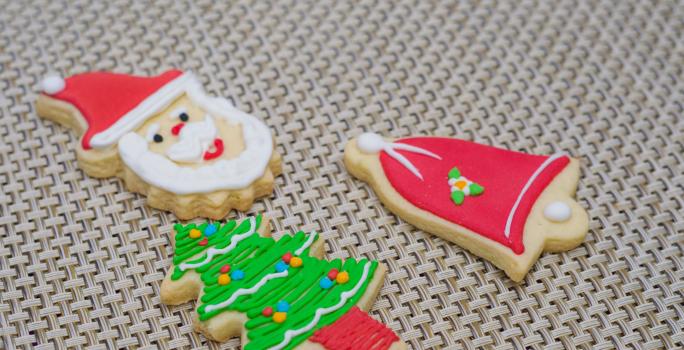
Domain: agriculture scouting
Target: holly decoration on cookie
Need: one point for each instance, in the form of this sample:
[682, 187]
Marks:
[166, 138]
[284, 291]
[488, 199]
[462, 187]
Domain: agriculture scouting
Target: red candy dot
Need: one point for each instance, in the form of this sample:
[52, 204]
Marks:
[225, 268]
[287, 257]
[203, 242]
[333, 274]
[267, 311]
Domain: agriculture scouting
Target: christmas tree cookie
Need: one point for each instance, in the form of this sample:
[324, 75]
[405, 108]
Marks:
[190, 153]
[274, 294]
[507, 207]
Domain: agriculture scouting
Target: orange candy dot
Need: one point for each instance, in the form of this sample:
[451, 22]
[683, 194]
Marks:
[342, 277]
[223, 279]
[461, 184]
[195, 233]
[279, 317]
[296, 261]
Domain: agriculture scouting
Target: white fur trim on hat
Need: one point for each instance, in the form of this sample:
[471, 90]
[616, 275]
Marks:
[156, 102]
[52, 84]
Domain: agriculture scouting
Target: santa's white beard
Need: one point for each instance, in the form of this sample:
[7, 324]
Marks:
[223, 174]
[193, 140]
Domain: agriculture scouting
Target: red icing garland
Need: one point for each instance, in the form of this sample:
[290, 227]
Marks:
[501, 172]
[355, 330]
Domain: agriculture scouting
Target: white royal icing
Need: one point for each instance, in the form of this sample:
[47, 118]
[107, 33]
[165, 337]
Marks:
[371, 143]
[530, 181]
[557, 211]
[245, 291]
[52, 84]
[324, 311]
[194, 139]
[223, 174]
[213, 251]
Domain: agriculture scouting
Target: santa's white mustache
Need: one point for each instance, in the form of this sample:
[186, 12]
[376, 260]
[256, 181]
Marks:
[194, 140]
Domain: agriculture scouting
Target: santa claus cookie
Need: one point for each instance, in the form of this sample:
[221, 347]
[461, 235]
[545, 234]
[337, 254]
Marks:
[190, 153]
[507, 207]
[274, 294]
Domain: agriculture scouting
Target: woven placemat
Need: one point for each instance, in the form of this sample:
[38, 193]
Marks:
[81, 259]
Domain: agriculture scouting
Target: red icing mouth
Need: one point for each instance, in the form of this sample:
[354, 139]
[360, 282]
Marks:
[177, 128]
[216, 152]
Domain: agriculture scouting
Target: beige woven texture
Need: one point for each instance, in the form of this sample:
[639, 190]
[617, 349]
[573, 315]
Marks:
[82, 260]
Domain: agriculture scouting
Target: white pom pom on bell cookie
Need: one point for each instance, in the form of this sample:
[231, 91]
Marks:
[52, 84]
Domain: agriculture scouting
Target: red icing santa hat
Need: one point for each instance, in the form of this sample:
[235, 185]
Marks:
[115, 104]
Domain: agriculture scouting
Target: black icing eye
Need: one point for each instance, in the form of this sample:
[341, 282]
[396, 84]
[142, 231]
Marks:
[158, 138]
[184, 117]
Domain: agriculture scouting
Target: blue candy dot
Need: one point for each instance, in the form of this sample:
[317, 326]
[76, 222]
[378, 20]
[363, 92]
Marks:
[283, 306]
[210, 230]
[281, 266]
[237, 275]
[325, 283]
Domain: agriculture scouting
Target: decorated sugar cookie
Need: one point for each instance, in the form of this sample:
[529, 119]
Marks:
[190, 153]
[274, 294]
[507, 207]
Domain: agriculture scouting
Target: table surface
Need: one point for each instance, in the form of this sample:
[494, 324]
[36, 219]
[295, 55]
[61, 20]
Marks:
[82, 259]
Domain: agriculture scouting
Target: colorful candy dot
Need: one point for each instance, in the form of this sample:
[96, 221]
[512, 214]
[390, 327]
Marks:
[325, 283]
[333, 274]
[279, 317]
[237, 275]
[283, 306]
[203, 242]
[342, 277]
[195, 233]
[223, 279]
[281, 266]
[296, 261]
[225, 268]
[267, 311]
[210, 229]
[287, 257]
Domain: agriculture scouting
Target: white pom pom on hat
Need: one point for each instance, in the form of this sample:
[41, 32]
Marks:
[52, 84]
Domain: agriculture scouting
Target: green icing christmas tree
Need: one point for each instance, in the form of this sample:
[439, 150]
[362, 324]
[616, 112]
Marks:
[286, 294]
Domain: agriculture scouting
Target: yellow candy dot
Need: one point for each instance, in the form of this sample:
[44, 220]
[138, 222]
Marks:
[223, 279]
[279, 317]
[296, 261]
[342, 277]
[195, 233]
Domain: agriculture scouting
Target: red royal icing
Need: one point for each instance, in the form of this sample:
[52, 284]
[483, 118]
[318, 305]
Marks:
[216, 152]
[103, 98]
[501, 172]
[355, 330]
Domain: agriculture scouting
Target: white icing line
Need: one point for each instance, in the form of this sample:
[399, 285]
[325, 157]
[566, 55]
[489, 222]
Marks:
[307, 244]
[414, 149]
[535, 175]
[243, 291]
[324, 311]
[405, 162]
[213, 251]
[253, 289]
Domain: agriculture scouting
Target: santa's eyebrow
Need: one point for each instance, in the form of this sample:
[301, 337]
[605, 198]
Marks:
[151, 131]
[177, 112]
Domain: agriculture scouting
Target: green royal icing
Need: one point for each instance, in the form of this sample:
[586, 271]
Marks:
[257, 256]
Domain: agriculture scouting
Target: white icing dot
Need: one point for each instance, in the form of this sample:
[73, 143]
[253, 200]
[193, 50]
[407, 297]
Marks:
[370, 142]
[557, 211]
[52, 84]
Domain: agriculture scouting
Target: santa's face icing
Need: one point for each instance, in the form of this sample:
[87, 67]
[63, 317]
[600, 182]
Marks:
[198, 144]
